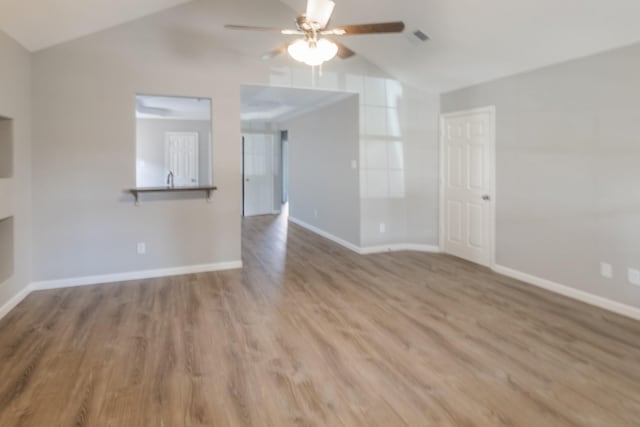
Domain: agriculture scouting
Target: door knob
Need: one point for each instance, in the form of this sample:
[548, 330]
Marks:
[486, 197]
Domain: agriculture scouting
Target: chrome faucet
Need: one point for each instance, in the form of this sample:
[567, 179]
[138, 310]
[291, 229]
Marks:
[170, 179]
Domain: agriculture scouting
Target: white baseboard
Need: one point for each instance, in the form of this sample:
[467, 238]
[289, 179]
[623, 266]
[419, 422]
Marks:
[325, 234]
[394, 247]
[595, 300]
[13, 302]
[134, 275]
[114, 278]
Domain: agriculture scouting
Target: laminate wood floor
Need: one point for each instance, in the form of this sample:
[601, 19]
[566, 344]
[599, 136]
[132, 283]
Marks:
[311, 334]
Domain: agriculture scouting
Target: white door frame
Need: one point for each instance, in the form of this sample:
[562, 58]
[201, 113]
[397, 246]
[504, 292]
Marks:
[492, 178]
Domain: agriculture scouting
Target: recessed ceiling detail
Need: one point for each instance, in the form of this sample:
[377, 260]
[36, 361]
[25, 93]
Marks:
[275, 104]
[172, 108]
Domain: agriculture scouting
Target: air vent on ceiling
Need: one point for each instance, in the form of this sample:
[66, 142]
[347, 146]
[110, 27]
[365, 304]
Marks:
[421, 36]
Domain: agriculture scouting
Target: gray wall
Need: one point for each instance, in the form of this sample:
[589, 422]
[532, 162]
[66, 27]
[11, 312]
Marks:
[321, 147]
[568, 168]
[84, 151]
[84, 140]
[15, 192]
[399, 165]
[150, 147]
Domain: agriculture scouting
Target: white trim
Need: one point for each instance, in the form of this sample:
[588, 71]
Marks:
[491, 109]
[14, 301]
[396, 247]
[114, 278]
[325, 234]
[134, 275]
[595, 300]
[367, 250]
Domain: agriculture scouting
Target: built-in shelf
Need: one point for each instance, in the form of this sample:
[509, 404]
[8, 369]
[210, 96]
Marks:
[6, 249]
[140, 190]
[6, 147]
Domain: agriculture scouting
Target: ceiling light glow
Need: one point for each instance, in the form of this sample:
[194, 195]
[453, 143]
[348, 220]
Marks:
[313, 52]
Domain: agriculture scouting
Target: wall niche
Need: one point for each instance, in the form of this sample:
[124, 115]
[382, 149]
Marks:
[6, 147]
[6, 249]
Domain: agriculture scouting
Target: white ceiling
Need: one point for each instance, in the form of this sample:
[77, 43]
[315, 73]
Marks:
[38, 24]
[271, 104]
[472, 41]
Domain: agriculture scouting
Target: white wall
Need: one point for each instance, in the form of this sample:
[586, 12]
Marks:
[150, 149]
[568, 170]
[15, 192]
[322, 145]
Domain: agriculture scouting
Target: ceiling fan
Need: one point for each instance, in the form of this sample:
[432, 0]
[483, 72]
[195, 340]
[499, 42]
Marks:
[313, 48]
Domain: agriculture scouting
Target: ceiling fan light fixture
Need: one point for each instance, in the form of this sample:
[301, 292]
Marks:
[313, 52]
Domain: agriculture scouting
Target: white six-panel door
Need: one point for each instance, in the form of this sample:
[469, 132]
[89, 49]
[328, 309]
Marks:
[181, 157]
[467, 185]
[258, 174]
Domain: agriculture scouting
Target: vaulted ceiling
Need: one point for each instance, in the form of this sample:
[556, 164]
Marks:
[471, 41]
[38, 24]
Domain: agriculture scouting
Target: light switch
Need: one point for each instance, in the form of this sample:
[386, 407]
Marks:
[606, 270]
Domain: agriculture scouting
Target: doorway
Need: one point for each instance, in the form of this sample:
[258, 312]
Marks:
[284, 166]
[182, 157]
[258, 172]
[266, 116]
[467, 185]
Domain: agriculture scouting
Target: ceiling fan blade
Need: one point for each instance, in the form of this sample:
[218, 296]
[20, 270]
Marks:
[275, 52]
[343, 51]
[286, 32]
[379, 28]
[320, 11]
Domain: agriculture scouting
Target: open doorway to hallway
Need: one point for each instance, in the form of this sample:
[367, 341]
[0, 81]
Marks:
[267, 114]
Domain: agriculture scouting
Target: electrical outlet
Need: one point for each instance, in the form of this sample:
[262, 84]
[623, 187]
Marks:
[383, 227]
[315, 213]
[634, 276]
[142, 248]
[606, 270]
[354, 164]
